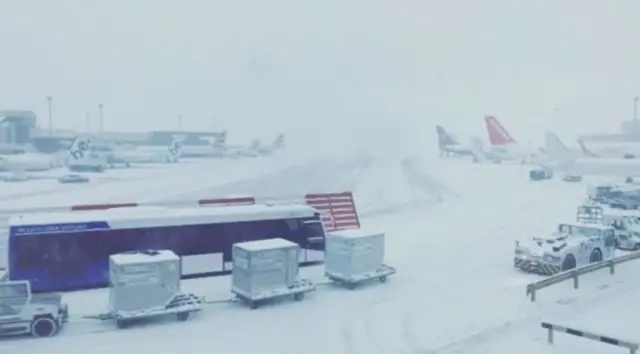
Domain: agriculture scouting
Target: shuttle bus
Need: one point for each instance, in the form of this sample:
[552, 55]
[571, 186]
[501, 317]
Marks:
[70, 251]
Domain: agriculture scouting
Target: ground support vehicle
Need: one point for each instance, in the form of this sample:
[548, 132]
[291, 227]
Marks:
[40, 315]
[73, 178]
[572, 245]
[625, 223]
[540, 174]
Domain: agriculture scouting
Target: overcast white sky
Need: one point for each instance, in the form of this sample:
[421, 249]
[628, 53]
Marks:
[358, 68]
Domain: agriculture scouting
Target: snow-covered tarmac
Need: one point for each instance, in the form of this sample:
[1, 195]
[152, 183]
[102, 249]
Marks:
[450, 228]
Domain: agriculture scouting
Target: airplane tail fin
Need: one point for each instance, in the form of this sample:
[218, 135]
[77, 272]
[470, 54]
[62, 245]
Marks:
[586, 150]
[279, 142]
[498, 135]
[79, 148]
[555, 148]
[255, 144]
[478, 149]
[220, 140]
[444, 139]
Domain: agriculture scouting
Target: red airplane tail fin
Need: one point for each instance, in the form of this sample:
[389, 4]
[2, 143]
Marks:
[498, 135]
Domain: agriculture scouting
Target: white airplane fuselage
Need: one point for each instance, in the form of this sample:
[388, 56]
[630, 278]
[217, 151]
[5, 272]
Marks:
[599, 166]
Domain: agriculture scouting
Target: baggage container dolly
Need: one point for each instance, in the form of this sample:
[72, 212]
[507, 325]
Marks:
[299, 288]
[182, 305]
[40, 315]
[353, 281]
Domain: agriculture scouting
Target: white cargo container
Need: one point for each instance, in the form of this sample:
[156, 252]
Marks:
[146, 284]
[143, 280]
[352, 256]
[267, 269]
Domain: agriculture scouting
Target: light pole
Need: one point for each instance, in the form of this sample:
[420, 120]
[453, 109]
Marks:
[101, 117]
[179, 122]
[50, 107]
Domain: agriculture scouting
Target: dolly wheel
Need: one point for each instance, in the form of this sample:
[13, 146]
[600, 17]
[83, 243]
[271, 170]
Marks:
[183, 316]
[44, 327]
[383, 278]
[298, 296]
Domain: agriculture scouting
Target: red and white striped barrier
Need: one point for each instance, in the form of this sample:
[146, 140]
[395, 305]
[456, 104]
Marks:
[338, 209]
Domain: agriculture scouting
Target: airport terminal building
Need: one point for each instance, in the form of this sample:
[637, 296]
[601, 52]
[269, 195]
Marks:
[19, 128]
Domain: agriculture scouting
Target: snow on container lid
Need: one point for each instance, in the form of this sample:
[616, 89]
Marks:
[144, 256]
[268, 244]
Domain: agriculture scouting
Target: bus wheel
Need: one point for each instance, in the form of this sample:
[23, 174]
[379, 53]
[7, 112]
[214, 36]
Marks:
[122, 323]
[183, 316]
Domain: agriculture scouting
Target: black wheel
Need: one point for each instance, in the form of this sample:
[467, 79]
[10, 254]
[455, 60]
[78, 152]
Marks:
[44, 327]
[569, 263]
[383, 278]
[253, 305]
[351, 285]
[122, 324]
[636, 247]
[596, 256]
[298, 296]
[183, 316]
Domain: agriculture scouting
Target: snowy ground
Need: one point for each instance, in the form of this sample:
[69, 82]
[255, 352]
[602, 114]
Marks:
[450, 228]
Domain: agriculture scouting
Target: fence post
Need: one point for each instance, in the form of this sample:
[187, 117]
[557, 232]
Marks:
[550, 335]
[612, 267]
[576, 283]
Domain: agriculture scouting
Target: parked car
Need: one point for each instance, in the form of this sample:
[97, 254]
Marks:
[73, 178]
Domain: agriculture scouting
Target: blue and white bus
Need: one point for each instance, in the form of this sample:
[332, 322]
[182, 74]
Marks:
[70, 251]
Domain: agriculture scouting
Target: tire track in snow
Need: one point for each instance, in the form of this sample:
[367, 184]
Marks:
[422, 190]
[406, 341]
[296, 181]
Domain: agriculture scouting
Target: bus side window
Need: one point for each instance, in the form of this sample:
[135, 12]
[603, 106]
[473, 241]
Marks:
[293, 224]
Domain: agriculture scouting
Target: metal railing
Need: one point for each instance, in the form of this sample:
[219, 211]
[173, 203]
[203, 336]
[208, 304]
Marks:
[574, 274]
[632, 346]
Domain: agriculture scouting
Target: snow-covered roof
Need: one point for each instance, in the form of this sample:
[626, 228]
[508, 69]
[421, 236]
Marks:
[130, 218]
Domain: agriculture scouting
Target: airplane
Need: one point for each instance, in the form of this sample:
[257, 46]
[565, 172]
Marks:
[30, 162]
[83, 159]
[561, 159]
[504, 147]
[145, 154]
[217, 148]
[621, 150]
[450, 147]
[262, 150]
